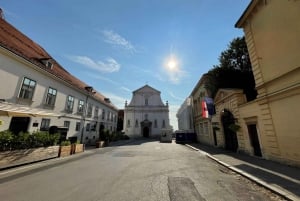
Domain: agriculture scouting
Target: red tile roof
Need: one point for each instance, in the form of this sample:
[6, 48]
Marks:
[16, 42]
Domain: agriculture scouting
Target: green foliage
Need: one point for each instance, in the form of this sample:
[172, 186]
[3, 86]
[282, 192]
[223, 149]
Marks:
[234, 71]
[6, 138]
[65, 143]
[9, 141]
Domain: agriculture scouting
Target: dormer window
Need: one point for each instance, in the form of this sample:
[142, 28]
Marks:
[47, 63]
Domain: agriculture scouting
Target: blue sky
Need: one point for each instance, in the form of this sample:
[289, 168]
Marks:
[118, 46]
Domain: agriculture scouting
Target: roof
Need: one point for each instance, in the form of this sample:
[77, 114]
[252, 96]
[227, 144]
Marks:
[18, 43]
[146, 86]
[246, 13]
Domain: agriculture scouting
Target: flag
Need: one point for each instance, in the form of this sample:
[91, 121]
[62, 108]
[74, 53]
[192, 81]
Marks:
[204, 110]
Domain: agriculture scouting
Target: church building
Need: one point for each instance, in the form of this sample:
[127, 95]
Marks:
[146, 114]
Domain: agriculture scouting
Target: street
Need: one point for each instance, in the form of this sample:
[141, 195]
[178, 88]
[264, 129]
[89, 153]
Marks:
[142, 170]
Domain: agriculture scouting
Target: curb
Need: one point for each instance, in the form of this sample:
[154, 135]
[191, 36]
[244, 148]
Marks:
[258, 181]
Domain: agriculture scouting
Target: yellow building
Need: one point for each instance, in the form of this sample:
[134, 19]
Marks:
[272, 31]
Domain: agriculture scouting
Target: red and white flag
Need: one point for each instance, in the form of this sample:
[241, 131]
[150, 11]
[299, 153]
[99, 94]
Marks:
[204, 110]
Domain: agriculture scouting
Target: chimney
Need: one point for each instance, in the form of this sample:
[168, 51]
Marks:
[1, 14]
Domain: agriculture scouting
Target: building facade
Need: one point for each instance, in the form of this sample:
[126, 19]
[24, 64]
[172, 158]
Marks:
[202, 123]
[37, 93]
[272, 34]
[185, 116]
[146, 114]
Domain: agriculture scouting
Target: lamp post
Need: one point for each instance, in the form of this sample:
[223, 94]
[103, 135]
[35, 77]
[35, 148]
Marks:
[90, 91]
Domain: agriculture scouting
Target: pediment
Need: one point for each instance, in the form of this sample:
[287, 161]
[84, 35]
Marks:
[224, 93]
[146, 89]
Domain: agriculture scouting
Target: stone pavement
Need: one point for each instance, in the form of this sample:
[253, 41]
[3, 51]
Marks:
[281, 179]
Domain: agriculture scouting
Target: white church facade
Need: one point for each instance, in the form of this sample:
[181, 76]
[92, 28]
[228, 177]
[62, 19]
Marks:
[146, 114]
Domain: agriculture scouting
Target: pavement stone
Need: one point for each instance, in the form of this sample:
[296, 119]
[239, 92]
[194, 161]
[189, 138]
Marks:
[279, 178]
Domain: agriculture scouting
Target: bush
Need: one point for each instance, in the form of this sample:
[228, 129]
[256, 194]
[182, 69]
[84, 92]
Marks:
[65, 143]
[9, 141]
[6, 138]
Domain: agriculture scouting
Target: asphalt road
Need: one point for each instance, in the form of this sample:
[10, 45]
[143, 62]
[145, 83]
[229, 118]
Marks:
[142, 170]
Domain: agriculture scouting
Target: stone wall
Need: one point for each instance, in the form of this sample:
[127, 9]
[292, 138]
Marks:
[19, 157]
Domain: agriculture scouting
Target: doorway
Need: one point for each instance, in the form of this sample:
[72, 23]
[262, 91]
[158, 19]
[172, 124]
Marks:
[253, 135]
[231, 142]
[146, 131]
[19, 124]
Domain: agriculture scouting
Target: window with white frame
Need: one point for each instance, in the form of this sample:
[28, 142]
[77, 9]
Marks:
[51, 96]
[77, 128]
[103, 114]
[45, 124]
[90, 110]
[80, 106]
[27, 88]
[70, 103]
[96, 112]
[67, 124]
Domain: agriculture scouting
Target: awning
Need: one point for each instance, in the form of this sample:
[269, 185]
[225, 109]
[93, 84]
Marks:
[15, 110]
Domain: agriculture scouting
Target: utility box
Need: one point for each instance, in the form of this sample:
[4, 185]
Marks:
[166, 135]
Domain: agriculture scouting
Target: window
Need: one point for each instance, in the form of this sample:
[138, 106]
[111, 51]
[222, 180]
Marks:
[136, 123]
[146, 101]
[96, 112]
[163, 124]
[87, 127]
[128, 123]
[205, 128]
[80, 106]
[93, 127]
[103, 114]
[155, 123]
[70, 104]
[90, 108]
[77, 128]
[67, 124]
[51, 96]
[45, 124]
[146, 116]
[27, 89]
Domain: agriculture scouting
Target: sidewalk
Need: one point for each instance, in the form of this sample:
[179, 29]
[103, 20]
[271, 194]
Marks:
[281, 179]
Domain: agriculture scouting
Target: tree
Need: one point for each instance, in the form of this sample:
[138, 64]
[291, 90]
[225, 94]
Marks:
[234, 70]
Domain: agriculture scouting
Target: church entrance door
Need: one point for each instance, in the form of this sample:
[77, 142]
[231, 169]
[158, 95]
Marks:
[146, 132]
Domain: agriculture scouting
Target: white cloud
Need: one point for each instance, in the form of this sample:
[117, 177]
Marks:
[108, 66]
[114, 38]
[126, 89]
[175, 97]
[99, 77]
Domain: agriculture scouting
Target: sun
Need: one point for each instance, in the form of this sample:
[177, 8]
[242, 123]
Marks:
[172, 64]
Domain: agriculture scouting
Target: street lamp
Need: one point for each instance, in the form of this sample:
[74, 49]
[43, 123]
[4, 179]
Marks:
[90, 91]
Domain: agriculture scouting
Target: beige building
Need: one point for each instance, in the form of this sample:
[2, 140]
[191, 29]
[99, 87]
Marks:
[272, 31]
[202, 126]
[268, 126]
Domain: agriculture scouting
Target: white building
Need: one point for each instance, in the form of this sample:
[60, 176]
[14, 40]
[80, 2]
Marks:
[185, 116]
[146, 114]
[37, 93]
